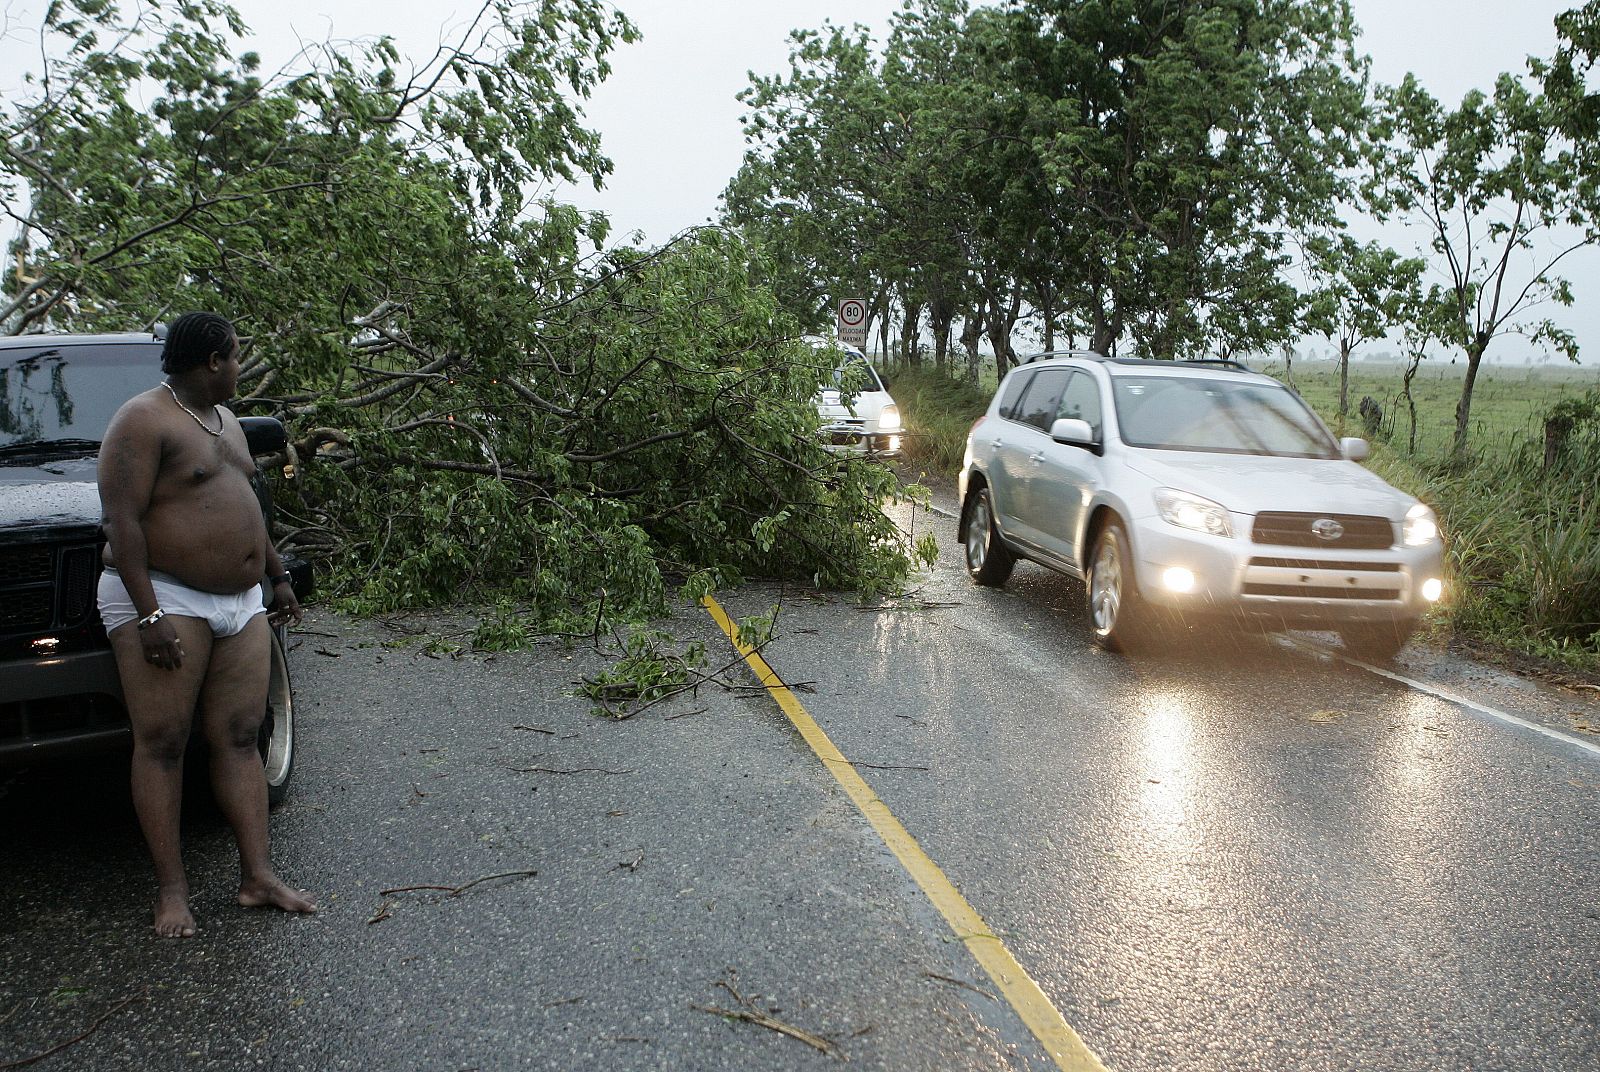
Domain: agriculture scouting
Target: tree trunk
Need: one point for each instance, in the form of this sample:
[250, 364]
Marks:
[910, 351]
[1475, 351]
[1002, 318]
[971, 332]
[1047, 299]
[884, 336]
[1411, 403]
[1344, 379]
[1102, 334]
[939, 321]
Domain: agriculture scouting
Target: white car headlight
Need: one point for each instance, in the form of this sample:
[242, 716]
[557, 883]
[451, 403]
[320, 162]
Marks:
[889, 418]
[1192, 512]
[1421, 526]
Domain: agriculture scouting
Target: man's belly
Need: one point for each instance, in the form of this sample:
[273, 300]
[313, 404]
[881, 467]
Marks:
[214, 541]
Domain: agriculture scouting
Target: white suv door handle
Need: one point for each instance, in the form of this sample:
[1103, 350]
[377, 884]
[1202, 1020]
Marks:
[1036, 457]
[997, 442]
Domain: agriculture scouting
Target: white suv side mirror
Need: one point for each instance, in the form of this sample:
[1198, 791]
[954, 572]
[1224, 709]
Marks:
[1073, 431]
[1354, 449]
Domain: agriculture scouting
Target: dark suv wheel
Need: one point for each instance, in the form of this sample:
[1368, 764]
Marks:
[276, 738]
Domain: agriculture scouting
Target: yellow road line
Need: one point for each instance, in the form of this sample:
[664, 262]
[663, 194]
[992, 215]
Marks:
[1060, 1041]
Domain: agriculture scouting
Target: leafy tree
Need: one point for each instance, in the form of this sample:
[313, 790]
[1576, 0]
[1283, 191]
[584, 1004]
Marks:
[1359, 293]
[1187, 140]
[1493, 187]
[482, 401]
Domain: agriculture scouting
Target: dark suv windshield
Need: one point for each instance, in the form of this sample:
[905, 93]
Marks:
[70, 392]
[1214, 414]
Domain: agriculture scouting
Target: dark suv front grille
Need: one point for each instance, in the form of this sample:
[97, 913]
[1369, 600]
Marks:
[26, 565]
[26, 611]
[1358, 532]
[46, 586]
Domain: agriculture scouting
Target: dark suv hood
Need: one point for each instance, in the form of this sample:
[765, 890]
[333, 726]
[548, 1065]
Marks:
[54, 494]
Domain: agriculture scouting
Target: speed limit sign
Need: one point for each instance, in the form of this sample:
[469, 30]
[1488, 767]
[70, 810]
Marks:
[853, 322]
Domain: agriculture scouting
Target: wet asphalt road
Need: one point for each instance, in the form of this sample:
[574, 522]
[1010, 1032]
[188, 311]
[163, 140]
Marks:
[1237, 855]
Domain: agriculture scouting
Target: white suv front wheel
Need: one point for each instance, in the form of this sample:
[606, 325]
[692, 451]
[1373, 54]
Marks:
[989, 560]
[1115, 610]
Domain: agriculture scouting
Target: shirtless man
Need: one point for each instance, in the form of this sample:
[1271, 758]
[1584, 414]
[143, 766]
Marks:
[181, 600]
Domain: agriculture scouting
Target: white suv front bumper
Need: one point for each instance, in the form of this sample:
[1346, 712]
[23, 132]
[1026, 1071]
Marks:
[1296, 586]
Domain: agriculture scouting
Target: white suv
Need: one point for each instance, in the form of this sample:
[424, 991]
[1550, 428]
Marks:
[858, 414]
[1197, 487]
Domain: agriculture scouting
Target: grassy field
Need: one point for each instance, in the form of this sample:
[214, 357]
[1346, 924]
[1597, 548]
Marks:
[1508, 401]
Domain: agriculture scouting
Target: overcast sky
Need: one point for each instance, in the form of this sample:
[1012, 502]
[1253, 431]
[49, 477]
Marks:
[669, 120]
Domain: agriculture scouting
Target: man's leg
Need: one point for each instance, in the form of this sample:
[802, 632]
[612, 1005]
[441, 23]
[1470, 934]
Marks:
[160, 706]
[233, 701]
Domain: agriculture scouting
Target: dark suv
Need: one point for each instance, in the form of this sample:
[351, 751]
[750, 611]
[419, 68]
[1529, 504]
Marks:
[59, 693]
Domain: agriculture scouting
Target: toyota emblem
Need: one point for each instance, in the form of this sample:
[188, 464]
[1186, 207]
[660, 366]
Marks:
[1326, 529]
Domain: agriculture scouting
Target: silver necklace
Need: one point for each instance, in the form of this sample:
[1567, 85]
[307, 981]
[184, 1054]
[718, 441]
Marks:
[220, 422]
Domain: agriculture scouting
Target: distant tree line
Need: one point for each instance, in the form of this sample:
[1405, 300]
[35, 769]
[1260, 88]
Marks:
[1164, 179]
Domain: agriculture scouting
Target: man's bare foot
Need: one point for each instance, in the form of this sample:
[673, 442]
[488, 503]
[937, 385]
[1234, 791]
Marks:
[173, 918]
[271, 892]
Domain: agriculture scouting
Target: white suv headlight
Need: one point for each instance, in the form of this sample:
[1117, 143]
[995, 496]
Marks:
[1192, 512]
[1421, 526]
[889, 418]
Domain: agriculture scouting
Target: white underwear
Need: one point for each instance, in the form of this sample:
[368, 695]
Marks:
[227, 615]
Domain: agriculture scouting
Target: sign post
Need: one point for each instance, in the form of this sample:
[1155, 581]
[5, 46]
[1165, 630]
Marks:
[853, 322]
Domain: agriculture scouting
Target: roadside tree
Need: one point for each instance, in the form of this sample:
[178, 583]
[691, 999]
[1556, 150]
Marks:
[1496, 191]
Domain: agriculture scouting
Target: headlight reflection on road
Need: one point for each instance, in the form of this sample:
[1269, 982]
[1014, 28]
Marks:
[1412, 803]
[1168, 759]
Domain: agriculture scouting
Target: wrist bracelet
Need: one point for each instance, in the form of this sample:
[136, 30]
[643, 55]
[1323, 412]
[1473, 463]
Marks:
[150, 619]
[280, 578]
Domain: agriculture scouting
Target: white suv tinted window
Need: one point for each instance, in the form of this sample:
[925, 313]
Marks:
[1011, 394]
[1042, 399]
[1081, 401]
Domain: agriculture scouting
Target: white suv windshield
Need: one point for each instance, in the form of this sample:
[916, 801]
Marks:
[1214, 414]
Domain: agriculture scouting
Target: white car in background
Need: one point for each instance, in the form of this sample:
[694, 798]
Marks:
[858, 413]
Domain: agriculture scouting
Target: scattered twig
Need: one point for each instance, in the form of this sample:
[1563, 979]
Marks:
[633, 865]
[457, 891]
[563, 1001]
[298, 631]
[884, 766]
[325, 651]
[921, 604]
[1584, 685]
[792, 686]
[624, 1038]
[960, 983]
[382, 913]
[911, 719]
[761, 1019]
[686, 714]
[534, 729]
[578, 770]
[91, 1029]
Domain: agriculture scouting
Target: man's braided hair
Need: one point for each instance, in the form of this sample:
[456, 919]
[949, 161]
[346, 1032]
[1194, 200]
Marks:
[192, 338]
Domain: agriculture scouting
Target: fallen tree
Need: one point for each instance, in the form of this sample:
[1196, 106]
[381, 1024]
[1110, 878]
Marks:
[483, 401]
